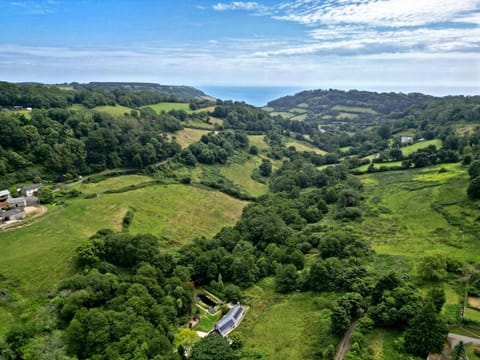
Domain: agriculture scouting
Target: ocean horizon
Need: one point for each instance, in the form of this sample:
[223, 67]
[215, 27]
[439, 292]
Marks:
[253, 95]
[261, 95]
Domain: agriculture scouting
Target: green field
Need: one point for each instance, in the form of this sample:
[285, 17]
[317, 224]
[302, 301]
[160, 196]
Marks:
[408, 150]
[301, 146]
[300, 117]
[167, 106]
[188, 136]
[258, 141]
[181, 212]
[353, 109]
[402, 220]
[36, 257]
[287, 327]
[116, 110]
[112, 183]
[240, 173]
[379, 165]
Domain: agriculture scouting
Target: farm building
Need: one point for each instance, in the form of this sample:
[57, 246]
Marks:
[406, 140]
[4, 195]
[230, 321]
[19, 202]
[14, 214]
[29, 190]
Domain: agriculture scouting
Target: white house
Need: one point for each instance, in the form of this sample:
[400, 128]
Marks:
[29, 190]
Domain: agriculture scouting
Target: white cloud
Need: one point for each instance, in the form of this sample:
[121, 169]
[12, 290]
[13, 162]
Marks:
[238, 5]
[390, 13]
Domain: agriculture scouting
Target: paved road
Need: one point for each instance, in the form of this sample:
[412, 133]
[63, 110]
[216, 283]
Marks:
[344, 345]
[455, 339]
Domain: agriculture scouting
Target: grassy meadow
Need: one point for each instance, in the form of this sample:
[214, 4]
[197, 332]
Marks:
[287, 327]
[117, 110]
[302, 146]
[168, 106]
[413, 212]
[408, 150]
[188, 136]
[241, 174]
[35, 258]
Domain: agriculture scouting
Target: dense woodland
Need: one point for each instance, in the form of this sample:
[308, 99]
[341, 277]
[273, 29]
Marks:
[129, 295]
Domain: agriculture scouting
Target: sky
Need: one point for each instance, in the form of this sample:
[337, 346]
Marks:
[396, 45]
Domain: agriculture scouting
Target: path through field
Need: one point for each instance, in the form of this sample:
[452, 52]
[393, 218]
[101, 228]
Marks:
[344, 345]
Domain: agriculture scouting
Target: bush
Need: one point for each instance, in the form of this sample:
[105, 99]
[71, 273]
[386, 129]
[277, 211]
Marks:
[473, 190]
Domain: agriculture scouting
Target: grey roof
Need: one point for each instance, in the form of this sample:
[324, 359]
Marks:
[31, 187]
[230, 319]
[4, 192]
[5, 214]
[16, 200]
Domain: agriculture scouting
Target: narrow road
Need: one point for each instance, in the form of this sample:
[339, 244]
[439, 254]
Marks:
[344, 345]
[455, 339]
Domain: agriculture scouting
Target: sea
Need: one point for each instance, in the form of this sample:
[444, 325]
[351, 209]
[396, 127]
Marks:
[257, 96]
[260, 96]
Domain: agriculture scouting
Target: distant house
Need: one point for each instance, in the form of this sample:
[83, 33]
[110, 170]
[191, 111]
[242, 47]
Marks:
[230, 321]
[4, 195]
[19, 202]
[14, 214]
[406, 140]
[29, 190]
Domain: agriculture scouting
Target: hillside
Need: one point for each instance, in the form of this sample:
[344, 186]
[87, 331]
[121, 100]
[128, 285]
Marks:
[183, 93]
[310, 224]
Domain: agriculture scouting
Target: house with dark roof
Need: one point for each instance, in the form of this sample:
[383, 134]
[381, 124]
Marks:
[230, 320]
[14, 214]
[29, 190]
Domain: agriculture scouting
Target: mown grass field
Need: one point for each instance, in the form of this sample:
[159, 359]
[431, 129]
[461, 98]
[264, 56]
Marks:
[36, 257]
[287, 327]
[353, 109]
[188, 136]
[379, 165]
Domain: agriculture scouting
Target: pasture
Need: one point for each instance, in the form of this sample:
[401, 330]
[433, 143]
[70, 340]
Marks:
[303, 146]
[187, 136]
[35, 258]
[117, 110]
[240, 172]
[414, 211]
[168, 106]
[286, 327]
[410, 149]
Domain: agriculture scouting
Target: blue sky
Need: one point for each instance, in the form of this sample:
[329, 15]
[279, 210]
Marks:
[424, 45]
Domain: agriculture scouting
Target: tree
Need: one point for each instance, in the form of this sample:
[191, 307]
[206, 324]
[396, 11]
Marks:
[384, 132]
[459, 352]
[286, 278]
[265, 168]
[45, 195]
[212, 347]
[426, 332]
[473, 190]
[474, 169]
[432, 267]
[437, 298]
